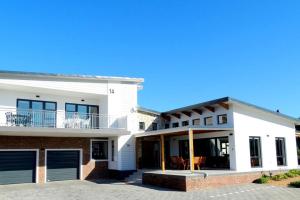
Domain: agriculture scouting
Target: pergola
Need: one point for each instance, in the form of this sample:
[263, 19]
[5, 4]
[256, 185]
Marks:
[190, 131]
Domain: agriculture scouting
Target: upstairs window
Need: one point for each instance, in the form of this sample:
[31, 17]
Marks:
[167, 126]
[196, 122]
[185, 123]
[175, 125]
[34, 113]
[208, 121]
[154, 126]
[222, 119]
[142, 125]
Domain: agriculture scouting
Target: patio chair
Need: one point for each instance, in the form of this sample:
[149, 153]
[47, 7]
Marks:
[181, 163]
[197, 162]
[174, 162]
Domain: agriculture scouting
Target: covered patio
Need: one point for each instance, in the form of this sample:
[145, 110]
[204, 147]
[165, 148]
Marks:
[185, 148]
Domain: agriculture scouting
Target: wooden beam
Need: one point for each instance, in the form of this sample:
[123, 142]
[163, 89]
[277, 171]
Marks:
[176, 115]
[162, 151]
[210, 108]
[224, 105]
[191, 147]
[198, 111]
[189, 114]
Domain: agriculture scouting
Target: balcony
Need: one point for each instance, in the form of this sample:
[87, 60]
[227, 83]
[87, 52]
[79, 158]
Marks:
[60, 120]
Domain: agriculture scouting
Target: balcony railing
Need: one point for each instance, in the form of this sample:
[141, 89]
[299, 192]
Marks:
[60, 119]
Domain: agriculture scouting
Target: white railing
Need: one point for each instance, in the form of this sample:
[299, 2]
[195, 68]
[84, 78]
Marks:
[60, 119]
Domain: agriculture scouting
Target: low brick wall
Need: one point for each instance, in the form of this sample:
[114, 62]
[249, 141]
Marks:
[199, 181]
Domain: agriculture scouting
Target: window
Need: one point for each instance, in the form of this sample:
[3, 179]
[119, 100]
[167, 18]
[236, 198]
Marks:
[99, 149]
[196, 122]
[298, 148]
[280, 151]
[222, 119]
[208, 121]
[112, 150]
[142, 125]
[255, 152]
[154, 126]
[185, 123]
[36, 113]
[84, 112]
[184, 149]
[175, 125]
[167, 126]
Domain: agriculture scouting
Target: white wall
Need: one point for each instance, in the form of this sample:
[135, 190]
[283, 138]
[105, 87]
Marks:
[254, 122]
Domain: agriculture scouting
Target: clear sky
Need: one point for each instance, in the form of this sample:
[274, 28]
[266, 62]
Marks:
[187, 51]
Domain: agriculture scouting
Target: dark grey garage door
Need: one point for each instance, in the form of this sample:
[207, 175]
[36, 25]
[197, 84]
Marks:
[63, 165]
[17, 167]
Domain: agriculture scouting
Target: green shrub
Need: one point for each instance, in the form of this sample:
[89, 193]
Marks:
[279, 177]
[295, 171]
[291, 175]
[262, 180]
[295, 184]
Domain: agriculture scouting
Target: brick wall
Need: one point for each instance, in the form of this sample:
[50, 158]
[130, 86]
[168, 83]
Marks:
[90, 169]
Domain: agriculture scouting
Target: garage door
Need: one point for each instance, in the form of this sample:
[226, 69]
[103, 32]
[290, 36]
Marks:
[17, 167]
[63, 165]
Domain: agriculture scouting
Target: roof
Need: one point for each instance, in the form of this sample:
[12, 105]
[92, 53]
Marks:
[230, 100]
[72, 76]
[146, 110]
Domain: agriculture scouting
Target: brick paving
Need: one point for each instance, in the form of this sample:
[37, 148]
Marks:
[77, 190]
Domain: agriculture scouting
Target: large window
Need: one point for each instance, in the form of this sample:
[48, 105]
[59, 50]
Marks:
[88, 113]
[255, 152]
[35, 113]
[214, 150]
[298, 148]
[280, 151]
[99, 149]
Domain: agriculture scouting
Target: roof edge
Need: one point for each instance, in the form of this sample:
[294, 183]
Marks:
[72, 76]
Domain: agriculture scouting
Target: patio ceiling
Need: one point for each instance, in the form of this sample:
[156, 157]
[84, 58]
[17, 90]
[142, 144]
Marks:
[181, 131]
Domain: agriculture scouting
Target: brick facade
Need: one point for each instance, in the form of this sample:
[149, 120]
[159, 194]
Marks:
[90, 168]
[191, 183]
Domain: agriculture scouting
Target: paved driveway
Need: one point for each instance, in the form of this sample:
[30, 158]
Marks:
[105, 190]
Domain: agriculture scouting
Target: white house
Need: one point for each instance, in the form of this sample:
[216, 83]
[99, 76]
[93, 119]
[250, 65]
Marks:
[226, 134]
[61, 127]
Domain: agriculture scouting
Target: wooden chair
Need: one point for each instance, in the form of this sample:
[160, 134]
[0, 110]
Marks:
[197, 162]
[181, 163]
[174, 162]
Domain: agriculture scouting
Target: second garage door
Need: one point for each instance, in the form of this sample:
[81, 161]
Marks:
[63, 165]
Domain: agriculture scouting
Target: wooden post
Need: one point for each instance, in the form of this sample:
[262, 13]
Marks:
[162, 151]
[191, 146]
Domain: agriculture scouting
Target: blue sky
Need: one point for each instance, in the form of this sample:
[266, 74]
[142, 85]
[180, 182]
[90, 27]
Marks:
[187, 51]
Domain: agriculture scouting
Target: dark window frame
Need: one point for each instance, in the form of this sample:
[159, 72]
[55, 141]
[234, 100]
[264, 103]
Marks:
[222, 116]
[185, 123]
[283, 151]
[92, 150]
[205, 121]
[43, 109]
[142, 126]
[259, 152]
[195, 120]
[112, 150]
[175, 124]
[77, 104]
[154, 126]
